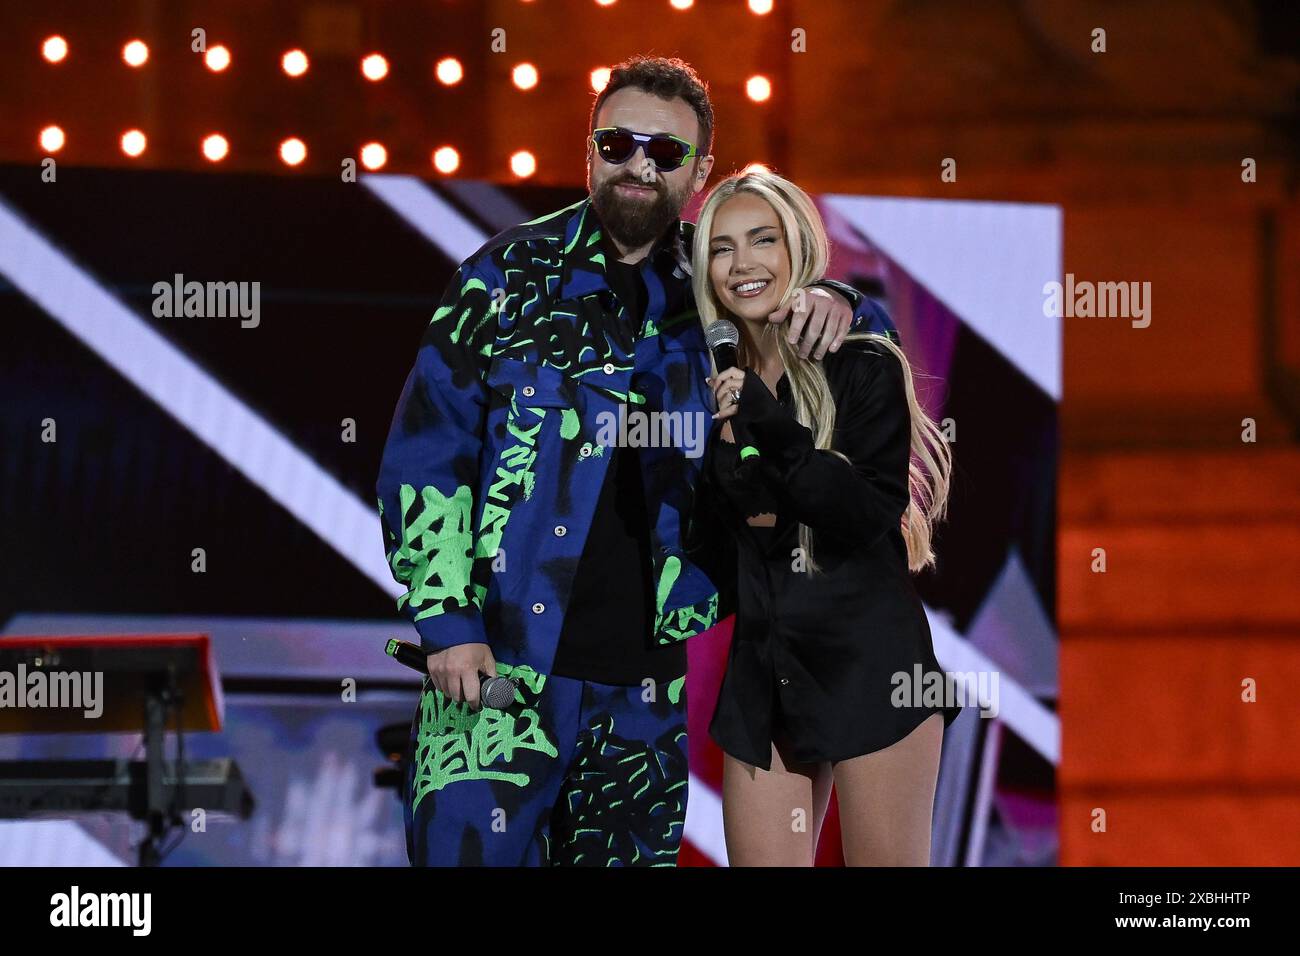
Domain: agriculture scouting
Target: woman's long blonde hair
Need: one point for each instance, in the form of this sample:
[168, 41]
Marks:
[930, 467]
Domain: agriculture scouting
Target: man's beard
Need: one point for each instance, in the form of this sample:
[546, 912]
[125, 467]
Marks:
[635, 222]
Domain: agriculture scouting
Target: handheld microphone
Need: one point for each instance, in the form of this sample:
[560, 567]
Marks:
[495, 692]
[722, 337]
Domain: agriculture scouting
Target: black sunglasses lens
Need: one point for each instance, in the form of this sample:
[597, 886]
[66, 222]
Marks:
[615, 146]
[666, 153]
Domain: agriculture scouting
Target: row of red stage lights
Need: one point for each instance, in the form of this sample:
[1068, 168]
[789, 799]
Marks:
[374, 67]
[293, 151]
[759, 7]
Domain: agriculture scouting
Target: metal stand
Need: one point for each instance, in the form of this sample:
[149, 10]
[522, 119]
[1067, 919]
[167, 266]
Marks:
[160, 813]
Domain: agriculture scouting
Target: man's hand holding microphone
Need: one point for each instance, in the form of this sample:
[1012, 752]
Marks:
[466, 673]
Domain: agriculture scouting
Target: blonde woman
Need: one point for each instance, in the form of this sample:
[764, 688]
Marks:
[823, 479]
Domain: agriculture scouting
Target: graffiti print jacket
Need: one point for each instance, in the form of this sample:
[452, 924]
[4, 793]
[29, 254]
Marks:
[494, 460]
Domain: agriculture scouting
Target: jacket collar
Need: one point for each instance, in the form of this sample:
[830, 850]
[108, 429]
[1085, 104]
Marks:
[585, 251]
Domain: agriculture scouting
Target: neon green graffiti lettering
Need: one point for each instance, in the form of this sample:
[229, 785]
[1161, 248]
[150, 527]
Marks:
[684, 622]
[455, 743]
[433, 563]
[515, 468]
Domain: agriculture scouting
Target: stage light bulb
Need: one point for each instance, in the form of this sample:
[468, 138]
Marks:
[525, 76]
[374, 67]
[446, 160]
[373, 156]
[449, 71]
[758, 88]
[760, 6]
[54, 49]
[135, 53]
[523, 164]
[293, 151]
[294, 63]
[52, 139]
[215, 147]
[599, 78]
[133, 142]
[217, 58]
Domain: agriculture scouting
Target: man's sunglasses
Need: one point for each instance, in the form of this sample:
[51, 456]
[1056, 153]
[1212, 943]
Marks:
[616, 145]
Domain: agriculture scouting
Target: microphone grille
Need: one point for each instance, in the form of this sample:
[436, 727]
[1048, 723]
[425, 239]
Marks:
[497, 693]
[721, 332]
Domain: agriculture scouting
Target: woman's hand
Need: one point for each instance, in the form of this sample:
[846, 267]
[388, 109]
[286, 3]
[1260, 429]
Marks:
[733, 379]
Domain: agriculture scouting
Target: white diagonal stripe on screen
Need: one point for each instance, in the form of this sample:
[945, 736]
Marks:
[1017, 708]
[427, 213]
[191, 395]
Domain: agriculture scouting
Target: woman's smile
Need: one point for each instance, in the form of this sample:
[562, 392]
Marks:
[750, 288]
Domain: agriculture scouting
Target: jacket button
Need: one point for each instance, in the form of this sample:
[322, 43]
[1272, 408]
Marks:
[561, 531]
[529, 390]
[784, 681]
[539, 607]
[609, 368]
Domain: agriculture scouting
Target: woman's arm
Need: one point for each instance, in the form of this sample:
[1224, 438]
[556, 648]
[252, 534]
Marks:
[856, 502]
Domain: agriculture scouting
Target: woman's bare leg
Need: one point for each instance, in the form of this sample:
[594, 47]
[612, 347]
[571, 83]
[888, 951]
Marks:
[773, 817]
[886, 800]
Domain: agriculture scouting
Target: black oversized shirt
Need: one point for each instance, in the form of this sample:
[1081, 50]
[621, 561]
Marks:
[816, 655]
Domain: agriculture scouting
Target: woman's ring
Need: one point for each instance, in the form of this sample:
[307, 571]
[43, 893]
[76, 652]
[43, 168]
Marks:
[735, 396]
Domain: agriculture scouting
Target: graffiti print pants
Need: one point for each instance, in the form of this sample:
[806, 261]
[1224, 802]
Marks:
[575, 773]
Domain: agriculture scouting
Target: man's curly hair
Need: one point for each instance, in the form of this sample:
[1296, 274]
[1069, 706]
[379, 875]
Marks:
[665, 77]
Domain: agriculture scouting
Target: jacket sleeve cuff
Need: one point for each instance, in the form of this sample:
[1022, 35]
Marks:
[760, 418]
[451, 628]
[868, 314]
[843, 288]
